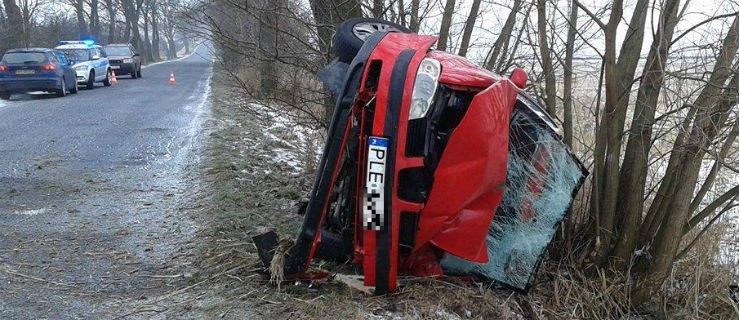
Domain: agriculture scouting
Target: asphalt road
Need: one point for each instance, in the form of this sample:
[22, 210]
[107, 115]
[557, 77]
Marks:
[92, 191]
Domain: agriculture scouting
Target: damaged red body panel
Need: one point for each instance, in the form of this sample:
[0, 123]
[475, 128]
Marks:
[416, 165]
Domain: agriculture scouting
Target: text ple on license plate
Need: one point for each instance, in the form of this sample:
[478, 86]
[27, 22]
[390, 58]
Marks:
[374, 197]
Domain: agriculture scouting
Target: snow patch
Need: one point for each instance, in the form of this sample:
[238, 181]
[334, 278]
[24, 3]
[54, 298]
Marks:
[31, 212]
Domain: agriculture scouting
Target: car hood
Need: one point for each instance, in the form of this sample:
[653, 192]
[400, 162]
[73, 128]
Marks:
[119, 57]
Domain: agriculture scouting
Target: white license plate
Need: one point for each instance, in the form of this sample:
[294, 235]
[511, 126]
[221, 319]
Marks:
[25, 71]
[374, 197]
[115, 67]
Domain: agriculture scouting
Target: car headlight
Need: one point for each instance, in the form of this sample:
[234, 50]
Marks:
[80, 68]
[427, 80]
[127, 60]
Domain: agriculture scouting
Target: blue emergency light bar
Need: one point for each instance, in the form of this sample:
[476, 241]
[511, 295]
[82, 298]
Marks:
[89, 43]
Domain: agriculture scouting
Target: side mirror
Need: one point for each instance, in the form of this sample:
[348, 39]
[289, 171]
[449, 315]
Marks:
[136, 54]
[519, 77]
[96, 57]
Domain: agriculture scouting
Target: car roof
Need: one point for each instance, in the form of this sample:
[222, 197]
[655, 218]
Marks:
[29, 50]
[117, 45]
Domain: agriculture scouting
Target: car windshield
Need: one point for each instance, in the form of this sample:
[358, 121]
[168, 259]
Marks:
[77, 55]
[24, 57]
[118, 51]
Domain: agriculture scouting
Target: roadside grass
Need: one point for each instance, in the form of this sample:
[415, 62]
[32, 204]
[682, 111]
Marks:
[254, 167]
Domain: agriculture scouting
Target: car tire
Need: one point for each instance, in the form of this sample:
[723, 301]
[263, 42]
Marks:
[134, 74]
[75, 88]
[63, 91]
[5, 96]
[107, 81]
[350, 35]
[91, 81]
[138, 73]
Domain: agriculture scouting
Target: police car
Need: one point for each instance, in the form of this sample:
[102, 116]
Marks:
[89, 61]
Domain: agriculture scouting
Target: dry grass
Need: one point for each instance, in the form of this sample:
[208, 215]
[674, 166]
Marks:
[247, 200]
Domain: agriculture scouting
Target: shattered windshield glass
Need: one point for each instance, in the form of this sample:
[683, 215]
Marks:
[542, 177]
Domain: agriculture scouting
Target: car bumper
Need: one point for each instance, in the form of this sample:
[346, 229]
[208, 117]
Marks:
[8, 86]
[123, 68]
[82, 75]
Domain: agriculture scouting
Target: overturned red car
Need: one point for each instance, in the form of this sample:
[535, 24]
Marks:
[433, 166]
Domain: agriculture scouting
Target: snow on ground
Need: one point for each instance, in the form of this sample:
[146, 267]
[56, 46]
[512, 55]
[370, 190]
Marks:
[293, 144]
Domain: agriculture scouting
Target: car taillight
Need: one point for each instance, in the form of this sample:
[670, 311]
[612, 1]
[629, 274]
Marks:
[48, 67]
[3, 68]
[427, 79]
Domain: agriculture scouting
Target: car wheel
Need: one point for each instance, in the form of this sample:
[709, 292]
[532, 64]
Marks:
[5, 96]
[75, 88]
[63, 91]
[107, 82]
[352, 33]
[91, 81]
[138, 73]
[134, 74]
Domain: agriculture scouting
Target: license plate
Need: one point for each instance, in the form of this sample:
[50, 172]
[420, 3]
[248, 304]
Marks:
[374, 197]
[25, 71]
[115, 67]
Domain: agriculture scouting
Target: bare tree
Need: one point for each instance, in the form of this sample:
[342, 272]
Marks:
[446, 22]
[469, 25]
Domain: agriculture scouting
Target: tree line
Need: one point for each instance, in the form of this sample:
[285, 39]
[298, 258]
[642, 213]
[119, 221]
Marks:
[151, 26]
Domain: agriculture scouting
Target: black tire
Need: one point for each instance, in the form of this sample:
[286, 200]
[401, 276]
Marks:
[107, 81]
[5, 96]
[134, 74]
[75, 88]
[91, 81]
[63, 91]
[347, 42]
[138, 73]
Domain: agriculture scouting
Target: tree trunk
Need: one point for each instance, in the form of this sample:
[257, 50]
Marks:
[550, 80]
[94, 20]
[634, 171]
[155, 50]
[415, 6]
[469, 25]
[567, 81]
[111, 14]
[603, 203]
[446, 23]
[328, 14]
[147, 42]
[501, 43]
[15, 18]
[79, 9]
[402, 13]
[712, 109]
[378, 8]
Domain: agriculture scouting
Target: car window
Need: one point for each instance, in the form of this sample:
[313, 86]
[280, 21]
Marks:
[77, 55]
[118, 51]
[61, 57]
[24, 57]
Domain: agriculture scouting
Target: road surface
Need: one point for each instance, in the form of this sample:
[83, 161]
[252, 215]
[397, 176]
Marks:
[92, 191]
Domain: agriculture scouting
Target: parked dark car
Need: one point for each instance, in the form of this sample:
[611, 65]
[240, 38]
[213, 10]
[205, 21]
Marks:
[36, 69]
[124, 59]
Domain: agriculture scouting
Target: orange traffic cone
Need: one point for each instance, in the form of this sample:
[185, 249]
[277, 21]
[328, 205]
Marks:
[171, 78]
[113, 79]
